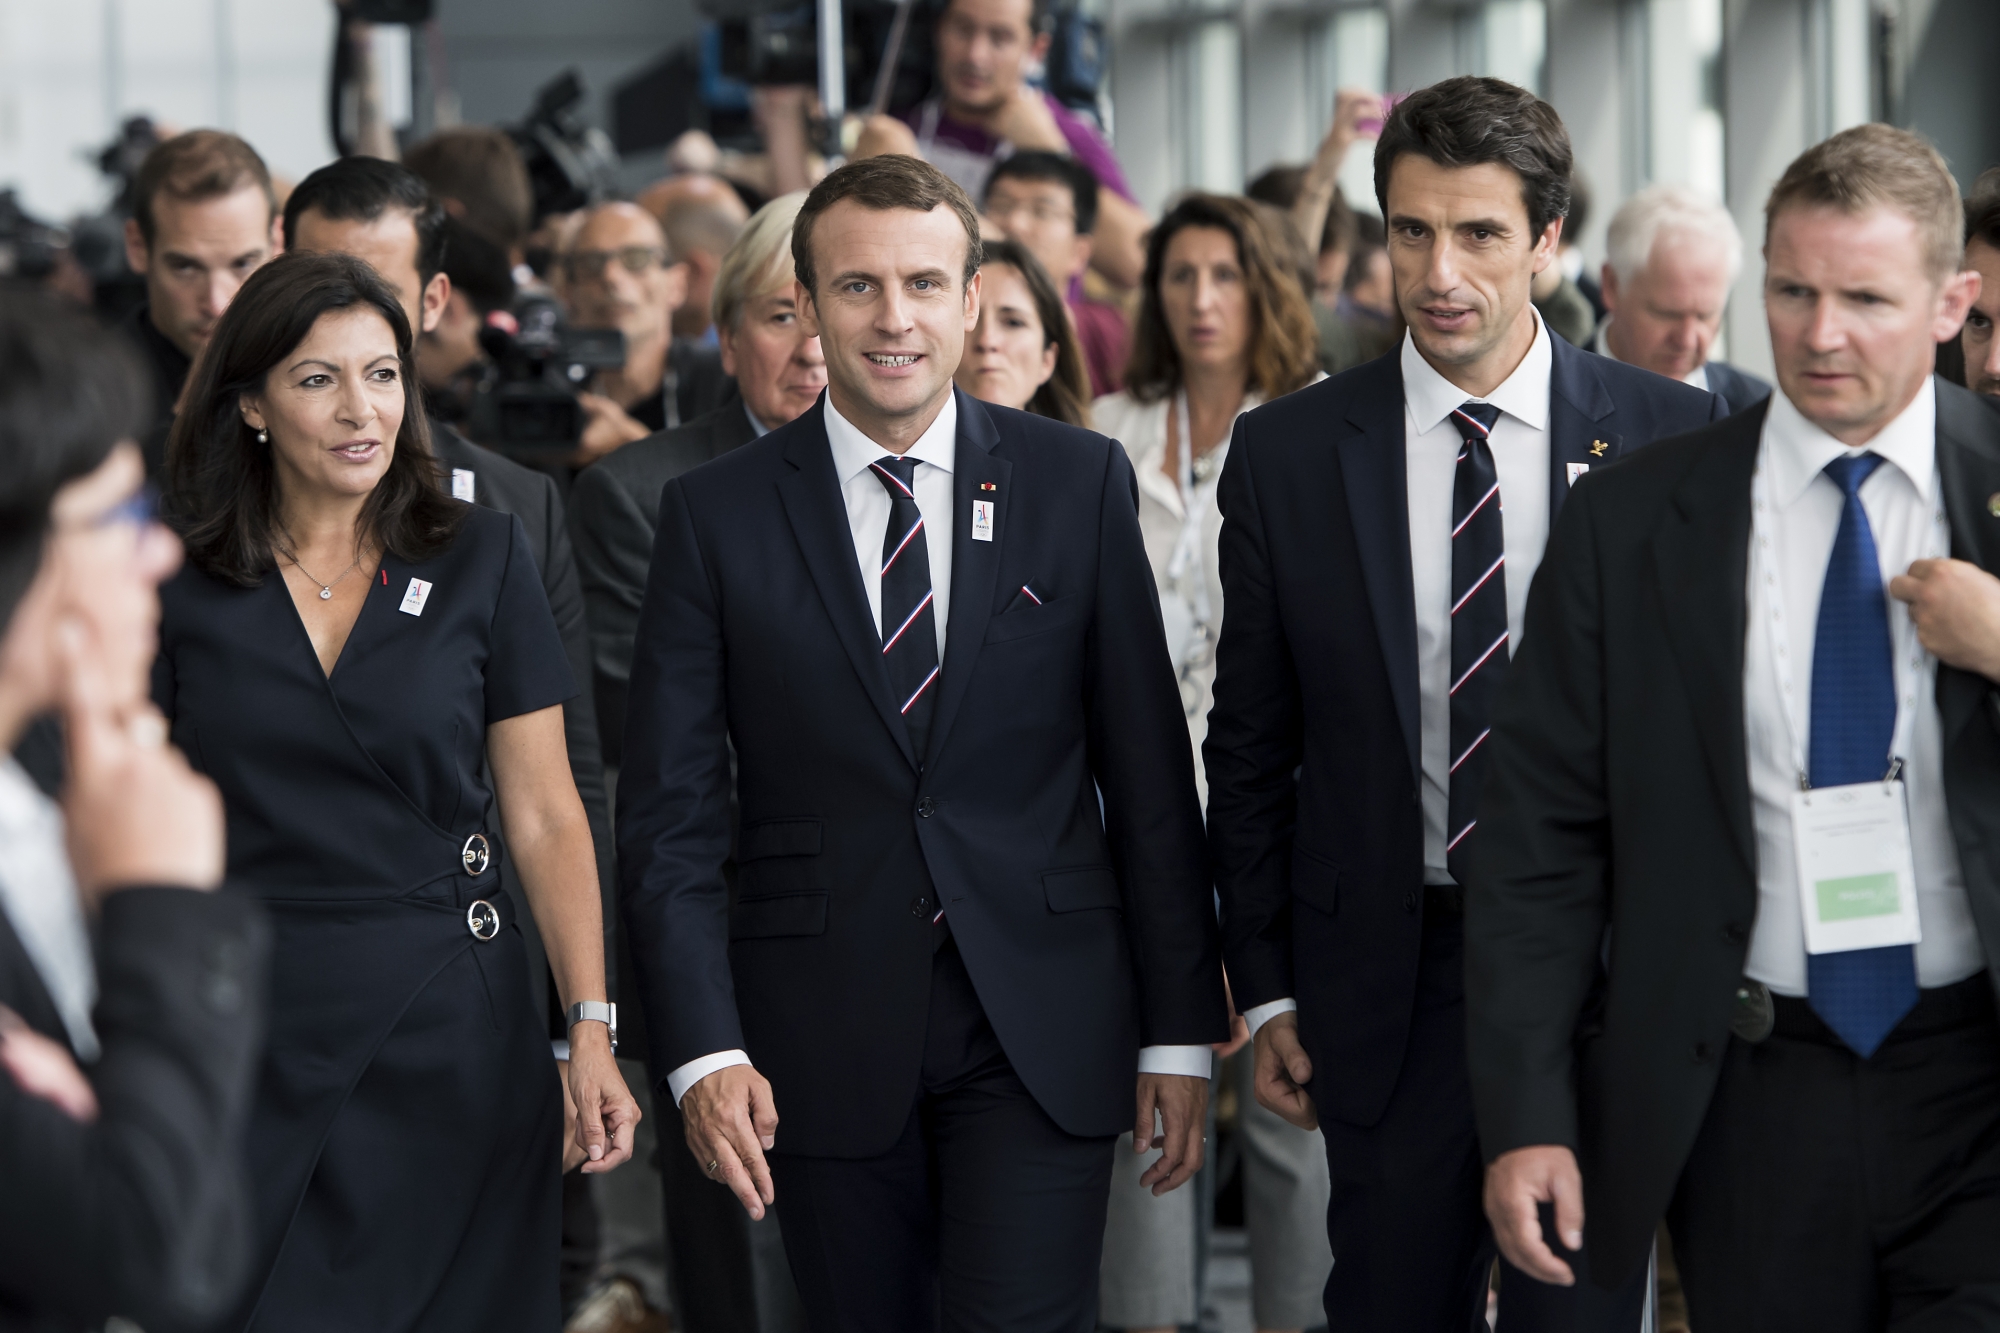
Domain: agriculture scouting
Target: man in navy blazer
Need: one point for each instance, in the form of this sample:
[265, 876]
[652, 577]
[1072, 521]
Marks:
[972, 913]
[1374, 589]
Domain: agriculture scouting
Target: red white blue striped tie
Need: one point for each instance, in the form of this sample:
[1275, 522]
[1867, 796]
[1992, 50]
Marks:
[909, 617]
[1478, 621]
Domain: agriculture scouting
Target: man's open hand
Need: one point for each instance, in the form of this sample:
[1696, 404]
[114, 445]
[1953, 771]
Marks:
[1281, 1070]
[1182, 1102]
[731, 1123]
[1517, 1183]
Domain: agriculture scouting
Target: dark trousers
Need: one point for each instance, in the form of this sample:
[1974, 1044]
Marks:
[1835, 1194]
[985, 1215]
[1412, 1250]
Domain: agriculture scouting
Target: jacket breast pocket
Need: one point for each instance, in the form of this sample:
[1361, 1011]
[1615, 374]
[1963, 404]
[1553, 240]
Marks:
[1023, 621]
[1081, 888]
[1315, 881]
[777, 856]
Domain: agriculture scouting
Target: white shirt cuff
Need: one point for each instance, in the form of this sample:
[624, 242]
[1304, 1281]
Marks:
[1261, 1014]
[1190, 1061]
[694, 1071]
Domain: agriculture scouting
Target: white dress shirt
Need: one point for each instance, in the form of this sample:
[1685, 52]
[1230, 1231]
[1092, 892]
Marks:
[1803, 519]
[1520, 444]
[38, 896]
[868, 510]
[1601, 345]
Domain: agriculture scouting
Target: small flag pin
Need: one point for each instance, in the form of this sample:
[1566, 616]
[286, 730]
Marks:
[988, 486]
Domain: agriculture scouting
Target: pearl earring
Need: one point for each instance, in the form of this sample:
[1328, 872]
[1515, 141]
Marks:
[263, 437]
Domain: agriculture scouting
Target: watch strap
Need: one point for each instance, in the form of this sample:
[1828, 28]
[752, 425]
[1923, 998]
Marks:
[595, 1011]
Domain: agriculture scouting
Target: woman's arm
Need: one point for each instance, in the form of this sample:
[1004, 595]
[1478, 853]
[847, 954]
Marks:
[548, 836]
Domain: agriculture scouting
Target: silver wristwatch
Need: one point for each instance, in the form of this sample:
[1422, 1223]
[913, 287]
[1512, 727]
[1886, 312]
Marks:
[596, 1011]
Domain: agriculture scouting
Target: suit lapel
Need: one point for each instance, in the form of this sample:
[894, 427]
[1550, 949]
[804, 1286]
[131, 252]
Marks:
[1580, 409]
[818, 514]
[1968, 459]
[1701, 556]
[975, 565]
[1373, 450]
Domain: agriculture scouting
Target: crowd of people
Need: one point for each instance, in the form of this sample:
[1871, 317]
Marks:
[962, 697]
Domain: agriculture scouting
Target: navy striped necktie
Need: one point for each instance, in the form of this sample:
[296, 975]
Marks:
[1478, 620]
[909, 618]
[1863, 993]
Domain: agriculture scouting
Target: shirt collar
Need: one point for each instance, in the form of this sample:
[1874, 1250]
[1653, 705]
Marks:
[1796, 451]
[1524, 395]
[23, 808]
[853, 451]
[758, 429]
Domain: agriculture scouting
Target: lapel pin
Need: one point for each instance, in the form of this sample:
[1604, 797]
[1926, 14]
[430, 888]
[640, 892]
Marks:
[1597, 448]
[1993, 504]
[989, 486]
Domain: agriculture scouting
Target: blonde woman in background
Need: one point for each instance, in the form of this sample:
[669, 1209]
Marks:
[1223, 326]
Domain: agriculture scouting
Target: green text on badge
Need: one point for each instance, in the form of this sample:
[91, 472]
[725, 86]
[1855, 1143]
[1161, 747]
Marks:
[1856, 896]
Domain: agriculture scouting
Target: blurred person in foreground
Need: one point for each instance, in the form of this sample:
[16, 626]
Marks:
[778, 373]
[204, 218]
[1753, 727]
[1023, 353]
[702, 215]
[407, 1140]
[985, 110]
[922, 626]
[1978, 344]
[617, 272]
[1048, 203]
[127, 1060]
[1223, 326]
[730, 1273]
[384, 214]
[1380, 530]
[1672, 256]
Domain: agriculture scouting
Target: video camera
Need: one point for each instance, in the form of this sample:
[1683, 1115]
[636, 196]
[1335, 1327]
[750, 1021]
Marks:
[570, 163]
[525, 403]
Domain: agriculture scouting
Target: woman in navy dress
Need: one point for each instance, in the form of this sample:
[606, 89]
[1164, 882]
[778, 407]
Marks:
[369, 671]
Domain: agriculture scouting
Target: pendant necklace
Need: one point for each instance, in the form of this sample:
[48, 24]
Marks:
[325, 589]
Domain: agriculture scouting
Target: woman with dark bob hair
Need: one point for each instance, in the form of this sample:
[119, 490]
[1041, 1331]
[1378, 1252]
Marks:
[1024, 354]
[369, 671]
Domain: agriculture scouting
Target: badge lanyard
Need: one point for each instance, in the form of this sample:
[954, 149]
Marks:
[1764, 571]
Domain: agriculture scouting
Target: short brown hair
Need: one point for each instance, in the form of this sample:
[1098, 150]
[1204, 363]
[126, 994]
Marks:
[1284, 341]
[197, 165]
[1982, 208]
[1873, 166]
[880, 184]
[480, 168]
[1469, 121]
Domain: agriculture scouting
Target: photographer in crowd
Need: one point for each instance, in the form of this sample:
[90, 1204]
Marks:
[204, 218]
[616, 272]
[125, 1186]
[1049, 203]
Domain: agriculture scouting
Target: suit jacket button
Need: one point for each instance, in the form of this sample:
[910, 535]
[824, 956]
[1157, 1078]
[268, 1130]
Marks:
[1702, 1052]
[919, 906]
[1410, 901]
[925, 806]
[1734, 932]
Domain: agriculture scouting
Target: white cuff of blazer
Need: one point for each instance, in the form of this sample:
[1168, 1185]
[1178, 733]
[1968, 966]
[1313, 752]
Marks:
[1258, 1015]
[1191, 1061]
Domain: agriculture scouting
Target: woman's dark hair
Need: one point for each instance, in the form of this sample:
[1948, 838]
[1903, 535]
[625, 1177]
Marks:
[1467, 121]
[1284, 341]
[69, 393]
[1065, 395]
[222, 490]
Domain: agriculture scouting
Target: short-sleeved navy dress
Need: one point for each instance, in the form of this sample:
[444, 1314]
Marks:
[405, 1142]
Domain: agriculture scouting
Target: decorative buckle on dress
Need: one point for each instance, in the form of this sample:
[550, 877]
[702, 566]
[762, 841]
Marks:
[482, 919]
[477, 854]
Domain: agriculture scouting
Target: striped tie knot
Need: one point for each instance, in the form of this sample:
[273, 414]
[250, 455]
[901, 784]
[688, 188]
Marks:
[1474, 420]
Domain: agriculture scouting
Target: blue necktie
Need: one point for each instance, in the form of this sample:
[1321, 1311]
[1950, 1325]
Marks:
[1861, 994]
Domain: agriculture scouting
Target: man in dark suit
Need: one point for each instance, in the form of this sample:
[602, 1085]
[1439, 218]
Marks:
[1374, 595]
[384, 213]
[1730, 773]
[971, 915]
[1672, 254]
[730, 1274]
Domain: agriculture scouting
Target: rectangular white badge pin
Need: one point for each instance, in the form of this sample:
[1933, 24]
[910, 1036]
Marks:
[1576, 470]
[464, 484]
[982, 520]
[414, 599]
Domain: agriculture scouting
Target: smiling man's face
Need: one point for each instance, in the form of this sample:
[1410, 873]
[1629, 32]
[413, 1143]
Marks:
[892, 311]
[1464, 258]
[1855, 314]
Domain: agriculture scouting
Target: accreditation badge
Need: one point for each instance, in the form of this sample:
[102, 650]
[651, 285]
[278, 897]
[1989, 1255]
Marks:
[1857, 881]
